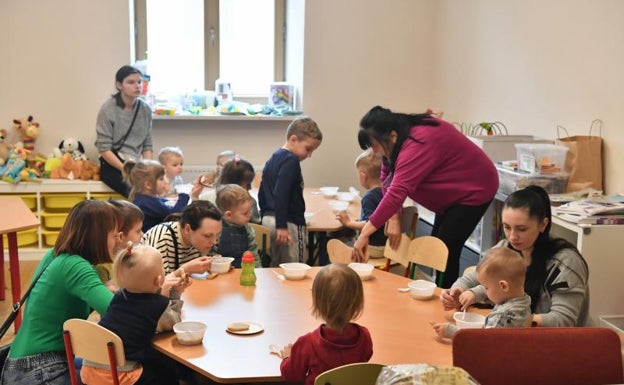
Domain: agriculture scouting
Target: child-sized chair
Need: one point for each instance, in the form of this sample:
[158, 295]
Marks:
[428, 251]
[361, 373]
[263, 240]
[338, 251]
[92, 342]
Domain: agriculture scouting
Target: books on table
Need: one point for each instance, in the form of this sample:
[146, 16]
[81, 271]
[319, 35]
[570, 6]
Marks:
[596, 211]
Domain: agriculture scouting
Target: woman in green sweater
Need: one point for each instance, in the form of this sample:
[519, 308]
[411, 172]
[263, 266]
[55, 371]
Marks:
[68, 288]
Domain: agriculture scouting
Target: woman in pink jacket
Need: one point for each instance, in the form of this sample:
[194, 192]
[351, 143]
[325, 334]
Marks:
[430, 161]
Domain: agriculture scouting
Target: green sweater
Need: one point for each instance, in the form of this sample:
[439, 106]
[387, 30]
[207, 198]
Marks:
[69, 288]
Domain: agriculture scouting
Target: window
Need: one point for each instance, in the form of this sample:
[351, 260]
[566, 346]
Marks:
[189, 44]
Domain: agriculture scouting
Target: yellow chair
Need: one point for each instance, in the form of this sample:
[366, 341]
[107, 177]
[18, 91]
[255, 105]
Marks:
[428, 251]
[92, 342]
[263, 239]
[361, 373]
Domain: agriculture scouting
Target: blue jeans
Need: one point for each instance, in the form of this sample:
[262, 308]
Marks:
[40, 369]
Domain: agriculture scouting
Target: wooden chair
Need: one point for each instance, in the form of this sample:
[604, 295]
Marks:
[541, 355]
[338, 251]
[409, 224]
[361, 373]
[470, 269]
[263, 239]
[428, 251]
[92, 342]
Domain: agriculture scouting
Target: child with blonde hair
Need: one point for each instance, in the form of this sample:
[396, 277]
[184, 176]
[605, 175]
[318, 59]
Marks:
[147, 302]
[281, 191]
[147, 178]
[337, 298]
[237, 236]
[368, 165]
[130, 230]
[172, 160]
[502, 273]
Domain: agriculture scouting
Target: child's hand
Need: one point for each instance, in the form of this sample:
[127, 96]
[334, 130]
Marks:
[343, 218]
[285, 353]
[466, 299]
[450, 298]
[197, 188]
[283, 237]
[440, 329]
[184, 280]
[208, 179]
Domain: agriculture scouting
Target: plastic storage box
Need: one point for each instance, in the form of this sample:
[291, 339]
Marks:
[61, 202]
[27, 237]
[49, 237]
[53, 220]
[510, 181]
[541, 157]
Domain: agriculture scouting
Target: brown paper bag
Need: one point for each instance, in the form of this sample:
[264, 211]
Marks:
[584, 157]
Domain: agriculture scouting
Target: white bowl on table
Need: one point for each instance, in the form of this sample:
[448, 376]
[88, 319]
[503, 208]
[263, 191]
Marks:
[364, 270]
[338, 206]
[329, 192]
[221, 264]
[421, 289]
[468, 320]
[345, 196]
[294, 270]
[190, 332]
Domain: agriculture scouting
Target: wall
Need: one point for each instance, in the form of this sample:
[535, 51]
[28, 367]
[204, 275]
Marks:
[531, 64]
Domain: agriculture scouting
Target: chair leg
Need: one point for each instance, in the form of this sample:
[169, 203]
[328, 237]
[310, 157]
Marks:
[112, 359]
[69, 353]
[407, 270]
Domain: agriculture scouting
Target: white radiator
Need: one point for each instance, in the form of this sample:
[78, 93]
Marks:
[191, 172]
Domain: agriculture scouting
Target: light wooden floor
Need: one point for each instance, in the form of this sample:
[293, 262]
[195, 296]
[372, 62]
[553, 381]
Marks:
[27, 268]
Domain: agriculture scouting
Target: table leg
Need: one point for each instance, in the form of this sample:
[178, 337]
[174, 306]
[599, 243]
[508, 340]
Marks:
[2, 282]
[16, 286]
[323, 256]
[311, 248]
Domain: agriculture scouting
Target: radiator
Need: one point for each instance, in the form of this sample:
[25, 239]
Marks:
[191, 172]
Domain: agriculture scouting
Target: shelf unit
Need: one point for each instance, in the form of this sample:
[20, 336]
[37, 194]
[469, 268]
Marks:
[50, 200]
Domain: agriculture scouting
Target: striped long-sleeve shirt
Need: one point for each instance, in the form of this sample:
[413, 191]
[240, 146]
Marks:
[164, 240]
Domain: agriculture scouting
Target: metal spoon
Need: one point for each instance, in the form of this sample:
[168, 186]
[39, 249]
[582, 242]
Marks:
[403, 289]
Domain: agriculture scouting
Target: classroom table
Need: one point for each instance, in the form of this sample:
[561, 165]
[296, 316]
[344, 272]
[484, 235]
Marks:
[323, 220]
[16, 216]
[399, 325]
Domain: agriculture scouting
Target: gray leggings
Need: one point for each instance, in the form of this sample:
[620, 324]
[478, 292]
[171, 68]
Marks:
[296, 252]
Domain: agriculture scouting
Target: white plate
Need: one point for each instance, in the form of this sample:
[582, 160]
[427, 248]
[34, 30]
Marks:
[254, 328]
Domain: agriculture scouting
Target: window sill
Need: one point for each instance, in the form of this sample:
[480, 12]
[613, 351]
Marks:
[231, 118]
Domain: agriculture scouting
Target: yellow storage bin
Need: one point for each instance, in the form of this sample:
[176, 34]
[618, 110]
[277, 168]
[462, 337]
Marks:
[53, 220]
[106, 196]
[49, 237]
[30, 200]
[27, 238]
[61, 202]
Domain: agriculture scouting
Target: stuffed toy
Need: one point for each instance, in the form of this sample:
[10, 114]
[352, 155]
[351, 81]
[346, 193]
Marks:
[90, 171]
[11, 171]
[73, 147]
[5, 148]
[28, 132]
[66, 170]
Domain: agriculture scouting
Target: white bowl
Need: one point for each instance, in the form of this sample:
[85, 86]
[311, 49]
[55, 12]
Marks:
[364, 270]
[421, 289]
[189, 332]
[308, 217]
[345, 196]
[294, 270]
[221, 264]
[329, 191]
[471, 320]
[338, 206]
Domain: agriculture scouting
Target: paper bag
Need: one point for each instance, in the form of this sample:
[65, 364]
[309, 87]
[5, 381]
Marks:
[584, 157]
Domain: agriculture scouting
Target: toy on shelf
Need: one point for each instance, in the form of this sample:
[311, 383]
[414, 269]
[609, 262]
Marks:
[73, 147]
[28, 132]
[5, 148]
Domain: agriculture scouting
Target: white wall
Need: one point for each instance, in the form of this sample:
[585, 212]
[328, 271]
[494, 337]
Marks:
[531, 64]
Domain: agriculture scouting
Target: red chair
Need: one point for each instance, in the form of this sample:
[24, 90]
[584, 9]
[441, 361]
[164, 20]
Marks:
[536, 356]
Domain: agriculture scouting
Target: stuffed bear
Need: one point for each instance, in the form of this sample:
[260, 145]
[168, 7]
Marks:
[5, 148]
[66, 171]
[90, 171]
[73, 147]
[28, 132]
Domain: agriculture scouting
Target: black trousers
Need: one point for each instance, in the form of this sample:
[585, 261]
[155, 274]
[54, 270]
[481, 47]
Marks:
[113, 178]
[453, 228]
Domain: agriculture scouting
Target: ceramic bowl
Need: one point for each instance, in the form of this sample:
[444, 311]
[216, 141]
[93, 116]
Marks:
[364, 270]
[329, 191]
[421, 289]
[469, 321]
[190, 332]
[221, 264]
[294, 270]
[345, 196]
[338, 206]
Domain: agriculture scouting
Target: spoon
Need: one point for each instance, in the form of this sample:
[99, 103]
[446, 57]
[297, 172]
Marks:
[403, 289]
[273, 349]
[464, 314]
[282, 277]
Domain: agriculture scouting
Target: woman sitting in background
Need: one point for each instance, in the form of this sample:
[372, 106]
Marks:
[557, 274]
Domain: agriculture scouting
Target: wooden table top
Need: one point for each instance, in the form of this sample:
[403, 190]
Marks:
[399, 325]
[324, 218]
[16, 216]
